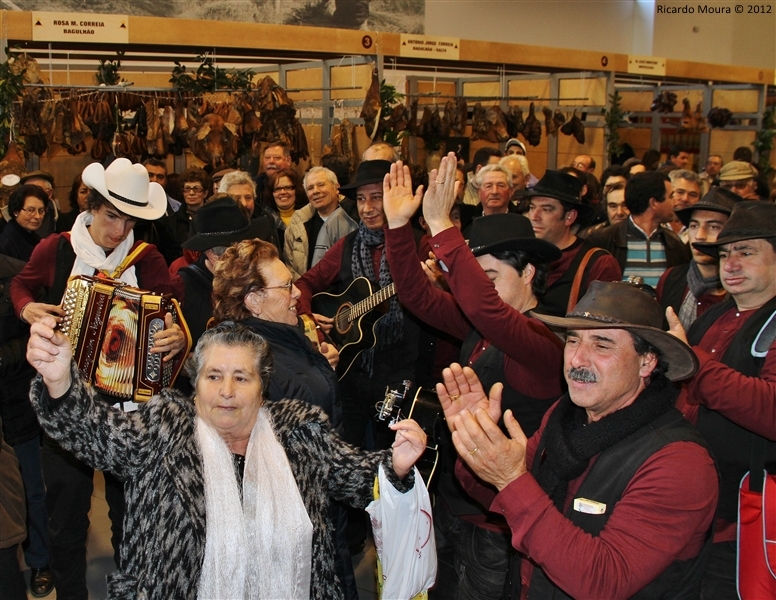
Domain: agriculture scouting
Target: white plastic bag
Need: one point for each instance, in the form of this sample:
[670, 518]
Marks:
[404, 538]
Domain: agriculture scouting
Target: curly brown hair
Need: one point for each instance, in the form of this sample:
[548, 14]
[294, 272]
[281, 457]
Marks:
[236, 275]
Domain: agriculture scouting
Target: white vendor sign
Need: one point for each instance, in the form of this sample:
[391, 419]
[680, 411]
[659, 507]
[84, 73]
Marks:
[80, 27]
[428, 46]
[646, 65]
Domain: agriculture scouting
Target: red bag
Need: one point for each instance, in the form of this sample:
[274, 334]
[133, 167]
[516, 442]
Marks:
[757, 538]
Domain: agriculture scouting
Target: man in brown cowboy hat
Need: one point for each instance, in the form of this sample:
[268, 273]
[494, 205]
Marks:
[555, 210]
[495, 281]
[690, 289]
[731, 398]
[615, 494]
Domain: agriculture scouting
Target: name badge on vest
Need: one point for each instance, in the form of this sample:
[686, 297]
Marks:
[589, 507]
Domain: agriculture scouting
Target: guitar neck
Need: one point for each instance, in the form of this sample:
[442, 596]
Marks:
[367, 304]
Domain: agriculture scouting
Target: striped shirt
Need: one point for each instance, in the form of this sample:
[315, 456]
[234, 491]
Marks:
[646, 255]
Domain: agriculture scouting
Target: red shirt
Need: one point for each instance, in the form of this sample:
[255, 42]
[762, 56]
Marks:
[38, 273]
[747, 401]
[533, 355]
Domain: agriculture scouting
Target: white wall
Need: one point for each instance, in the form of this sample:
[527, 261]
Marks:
[621, 26]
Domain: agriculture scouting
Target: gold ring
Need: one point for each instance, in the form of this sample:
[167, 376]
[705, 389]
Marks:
[471, 452]
[455, 397]
[438, 181]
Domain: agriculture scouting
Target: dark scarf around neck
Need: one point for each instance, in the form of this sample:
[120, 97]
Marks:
[391, 327]
[570, 441]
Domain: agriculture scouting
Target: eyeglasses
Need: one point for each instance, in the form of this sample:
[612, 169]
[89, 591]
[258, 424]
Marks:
[196, 189]
[34, 211]
[285, 286]
[284, 188]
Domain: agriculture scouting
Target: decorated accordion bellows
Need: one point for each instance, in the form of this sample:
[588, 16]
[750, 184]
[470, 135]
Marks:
[111, 327]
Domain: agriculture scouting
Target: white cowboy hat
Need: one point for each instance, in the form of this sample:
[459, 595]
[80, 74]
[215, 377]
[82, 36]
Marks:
[127, 187]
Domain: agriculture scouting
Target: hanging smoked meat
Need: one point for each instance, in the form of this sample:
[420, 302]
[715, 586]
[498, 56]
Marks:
[373, 107]
[549, 124]
[719, 117]
[515, 122]
[559, 119]
[399, 118]
[498, 124]
[686, 121]
[664, 102]
[480, 123]
[532, 130]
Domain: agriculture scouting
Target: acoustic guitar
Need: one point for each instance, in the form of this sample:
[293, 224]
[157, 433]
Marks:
[354, 322]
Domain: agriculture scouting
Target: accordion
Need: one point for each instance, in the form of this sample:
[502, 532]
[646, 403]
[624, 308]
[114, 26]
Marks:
[111, 327]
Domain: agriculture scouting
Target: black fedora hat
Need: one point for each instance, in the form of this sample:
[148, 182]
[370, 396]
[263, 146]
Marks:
[620, 305]
[221, 223]
[369, 171]
[561, 186]
[509, 231]
[750, 220]
[718, 199]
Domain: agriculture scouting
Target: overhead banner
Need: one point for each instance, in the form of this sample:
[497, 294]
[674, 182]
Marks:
[646, 65]
[429, 46]
[80, 27]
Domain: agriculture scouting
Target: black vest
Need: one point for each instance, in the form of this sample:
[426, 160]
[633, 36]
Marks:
[674, 286]
[606, 482]
[730, 443]
[556, 299]
[528, 411]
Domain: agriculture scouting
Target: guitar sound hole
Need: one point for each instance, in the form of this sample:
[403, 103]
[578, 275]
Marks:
[341, 322]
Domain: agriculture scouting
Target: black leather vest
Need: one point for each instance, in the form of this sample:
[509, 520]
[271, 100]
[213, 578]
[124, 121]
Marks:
[606, 482]
[731, 444]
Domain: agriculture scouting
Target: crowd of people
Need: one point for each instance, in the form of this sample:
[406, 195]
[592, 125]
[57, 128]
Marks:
[599, 346]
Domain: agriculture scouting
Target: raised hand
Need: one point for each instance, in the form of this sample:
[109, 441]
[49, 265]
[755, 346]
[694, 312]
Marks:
[408, 447]
[461, 390]
[399, 203]
[492, 456]
[440, 197]
[50, 353]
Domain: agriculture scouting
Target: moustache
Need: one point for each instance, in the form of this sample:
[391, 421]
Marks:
[581, 375]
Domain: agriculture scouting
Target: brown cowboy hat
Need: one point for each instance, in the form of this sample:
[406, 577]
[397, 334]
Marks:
[750, 220]
[620, 305]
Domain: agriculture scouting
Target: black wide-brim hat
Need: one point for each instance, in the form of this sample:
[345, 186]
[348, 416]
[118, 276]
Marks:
[561, 186]
[620, 305]
[718, 199]
[221, 223]
[369, 171]
[750, 220]
[509, 231]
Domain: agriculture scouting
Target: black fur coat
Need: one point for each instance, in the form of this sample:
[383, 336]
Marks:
[154, 450]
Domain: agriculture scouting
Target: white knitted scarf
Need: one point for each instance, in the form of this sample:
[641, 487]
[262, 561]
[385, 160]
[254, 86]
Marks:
[260, 548]
[89, 256]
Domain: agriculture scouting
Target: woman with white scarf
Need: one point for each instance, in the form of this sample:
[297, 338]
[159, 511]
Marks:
[100, 242]
[226, 495]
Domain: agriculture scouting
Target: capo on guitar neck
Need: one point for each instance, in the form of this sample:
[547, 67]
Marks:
[390, 406]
